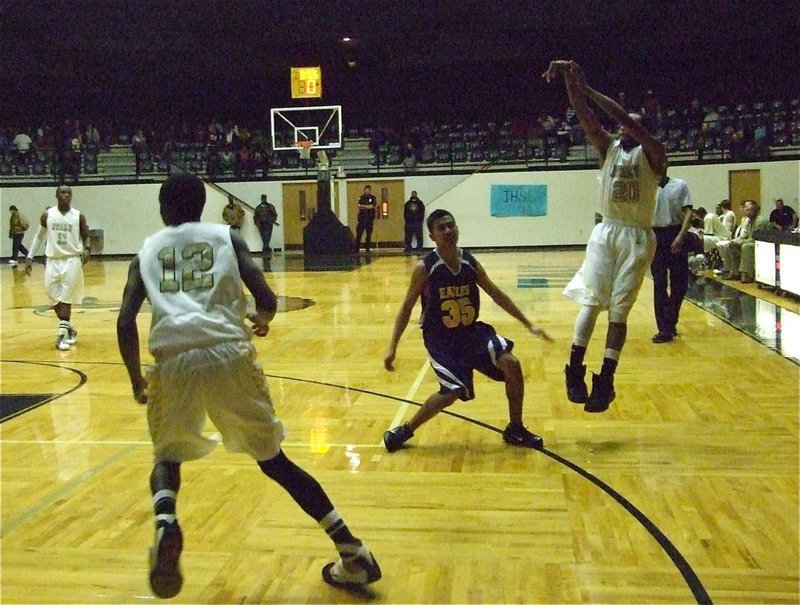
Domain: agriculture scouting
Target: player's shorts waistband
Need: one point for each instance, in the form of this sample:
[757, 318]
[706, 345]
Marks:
[64, 256]
[622, 223]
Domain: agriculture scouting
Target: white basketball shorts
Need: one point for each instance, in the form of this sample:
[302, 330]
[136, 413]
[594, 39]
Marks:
[223, 381]
[617, 259]
[63, 279]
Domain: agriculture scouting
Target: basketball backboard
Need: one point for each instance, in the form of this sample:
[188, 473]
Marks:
[320, 125]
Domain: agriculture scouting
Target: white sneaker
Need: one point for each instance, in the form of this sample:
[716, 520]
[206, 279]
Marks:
[72, 336]
[61, 341]
[13, 263]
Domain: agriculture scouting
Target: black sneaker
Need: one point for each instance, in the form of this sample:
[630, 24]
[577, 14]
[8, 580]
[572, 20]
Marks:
[394, 438]
[602, 394]
[576, 383]
[663, 337]
[516, 434]
[354, 570]
[165, 573]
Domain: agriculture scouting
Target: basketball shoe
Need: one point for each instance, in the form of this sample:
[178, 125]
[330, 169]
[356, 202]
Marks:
[576, 383]
[394, 438]
[165, 572]
[356, 568]
[61, 339]
[603, 393]
[516, 434]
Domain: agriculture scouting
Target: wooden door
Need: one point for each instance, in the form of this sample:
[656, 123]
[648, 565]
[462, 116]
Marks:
[299, 205]
[388, 231]
[743, 185]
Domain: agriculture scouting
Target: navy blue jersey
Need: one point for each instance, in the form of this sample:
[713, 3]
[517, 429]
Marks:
[450, 301]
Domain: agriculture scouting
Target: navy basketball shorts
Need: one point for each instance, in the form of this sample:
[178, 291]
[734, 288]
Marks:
[455, 358]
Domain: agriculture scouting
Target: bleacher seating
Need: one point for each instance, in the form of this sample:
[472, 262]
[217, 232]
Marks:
[746, 130]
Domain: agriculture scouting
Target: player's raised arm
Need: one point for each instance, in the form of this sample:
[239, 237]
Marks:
[590, 124]
[418, 279]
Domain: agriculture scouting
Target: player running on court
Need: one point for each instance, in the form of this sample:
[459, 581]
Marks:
[193, 273]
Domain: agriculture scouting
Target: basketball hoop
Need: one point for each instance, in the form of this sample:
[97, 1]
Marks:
[304, 147]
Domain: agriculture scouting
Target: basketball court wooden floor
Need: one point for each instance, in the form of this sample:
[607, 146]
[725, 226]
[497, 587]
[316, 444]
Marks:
[685, 491]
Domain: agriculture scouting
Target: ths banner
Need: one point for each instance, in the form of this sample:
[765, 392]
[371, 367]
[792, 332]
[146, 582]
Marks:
[519, 200]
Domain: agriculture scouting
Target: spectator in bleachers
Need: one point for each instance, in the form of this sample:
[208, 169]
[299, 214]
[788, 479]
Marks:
[652, 118]
[69, 158]
[22, 142]
[231, 134]
[139, 148]
[409, 158]
[227, 159]
[711, 122]
[243, 164]
[91, 138]
[548, 127]
[693, 118]
[760, 141]
[563, 140]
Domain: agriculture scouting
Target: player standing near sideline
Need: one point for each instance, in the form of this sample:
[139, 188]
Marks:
[67, 249]
[457, 343]
[192, 273]
[621, 248]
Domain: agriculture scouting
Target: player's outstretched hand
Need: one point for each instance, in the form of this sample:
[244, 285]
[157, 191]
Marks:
[388, 361]
[260, 323]
[540, 333]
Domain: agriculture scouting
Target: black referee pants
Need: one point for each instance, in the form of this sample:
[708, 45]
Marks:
[670, 279]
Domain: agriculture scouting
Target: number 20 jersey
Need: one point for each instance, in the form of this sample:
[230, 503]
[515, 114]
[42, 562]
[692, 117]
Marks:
[450, 301]
[192, 279]
[628, 186]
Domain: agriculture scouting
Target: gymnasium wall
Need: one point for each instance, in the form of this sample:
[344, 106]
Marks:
[129, 213]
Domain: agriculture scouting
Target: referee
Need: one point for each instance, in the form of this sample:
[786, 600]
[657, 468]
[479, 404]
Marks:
[670, 268]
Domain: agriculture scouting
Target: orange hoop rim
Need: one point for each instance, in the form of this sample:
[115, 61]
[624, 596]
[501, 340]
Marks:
[304, 143]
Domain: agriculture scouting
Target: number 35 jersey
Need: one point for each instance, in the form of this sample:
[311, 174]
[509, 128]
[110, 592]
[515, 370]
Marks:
[192, 279]
[628, 186]
[451, 301]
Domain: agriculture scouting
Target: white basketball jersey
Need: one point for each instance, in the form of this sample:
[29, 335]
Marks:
[192, 279]
[628, 186]
[63, 233]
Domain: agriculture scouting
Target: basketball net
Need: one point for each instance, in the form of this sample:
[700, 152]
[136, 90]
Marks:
[304, 147]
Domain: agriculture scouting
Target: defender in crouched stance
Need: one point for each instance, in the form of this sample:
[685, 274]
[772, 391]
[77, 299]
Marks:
[447, 279]
[192, 274]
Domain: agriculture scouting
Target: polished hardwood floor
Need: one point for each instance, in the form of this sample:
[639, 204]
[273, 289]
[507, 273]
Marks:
[685, 491]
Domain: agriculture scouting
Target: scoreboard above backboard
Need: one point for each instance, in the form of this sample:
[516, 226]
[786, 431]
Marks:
[306, 82]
